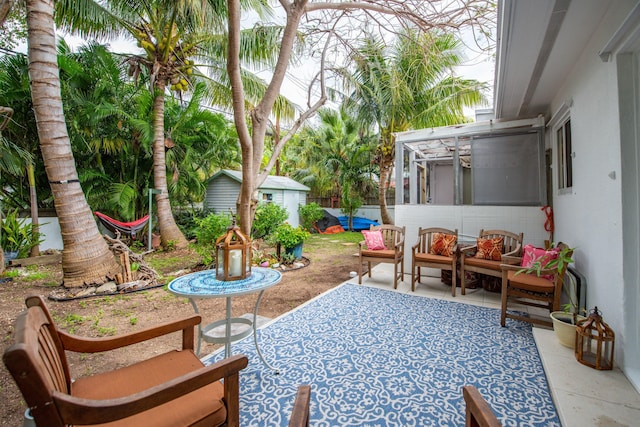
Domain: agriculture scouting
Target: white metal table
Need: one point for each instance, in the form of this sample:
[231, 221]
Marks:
[204, 284]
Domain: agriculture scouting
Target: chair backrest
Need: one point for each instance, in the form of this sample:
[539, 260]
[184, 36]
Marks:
[392, 234]
[478, 413]
[300, 413]
[426, 235]
[37, 360]
[512, 243]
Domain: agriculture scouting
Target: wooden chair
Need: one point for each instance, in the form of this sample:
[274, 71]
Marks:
[421, 256]
[511, 246]
[531, 289]
[394, 253]
[300, 413]
[171, 389]
[479, 414]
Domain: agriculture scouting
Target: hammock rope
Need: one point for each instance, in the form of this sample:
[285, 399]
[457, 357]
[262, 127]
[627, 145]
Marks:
[127, 228]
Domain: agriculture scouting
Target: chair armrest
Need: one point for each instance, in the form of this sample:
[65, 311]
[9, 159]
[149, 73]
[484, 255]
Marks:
[466, 250]
[514, 253]
[300, 412]
[478, 412]
[513, 260]
[75, 410]
[96, 345]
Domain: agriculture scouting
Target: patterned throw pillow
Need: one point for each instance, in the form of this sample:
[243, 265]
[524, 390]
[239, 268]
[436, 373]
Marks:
[443, 244]
[490, 248]
[532, 255]
[374, 240]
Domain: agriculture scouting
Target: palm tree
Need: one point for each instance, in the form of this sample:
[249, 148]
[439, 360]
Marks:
[171, 33]
[410, 84]
[86, 258]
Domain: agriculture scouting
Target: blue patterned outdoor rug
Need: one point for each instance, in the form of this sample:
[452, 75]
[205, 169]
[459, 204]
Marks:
[379, 358]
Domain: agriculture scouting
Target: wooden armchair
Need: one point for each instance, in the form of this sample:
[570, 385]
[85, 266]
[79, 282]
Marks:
[511, 247]
[531, 289]
[422, 256]
[171, 389]
[393, 253]
[478, 413]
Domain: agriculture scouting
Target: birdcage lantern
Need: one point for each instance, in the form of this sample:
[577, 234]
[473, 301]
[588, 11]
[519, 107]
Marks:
[594, 342]
[233, 254]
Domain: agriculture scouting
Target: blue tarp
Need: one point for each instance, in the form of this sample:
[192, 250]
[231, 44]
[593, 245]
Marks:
[359, 223]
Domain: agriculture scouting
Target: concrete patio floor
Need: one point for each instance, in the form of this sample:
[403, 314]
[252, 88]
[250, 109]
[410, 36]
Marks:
[583, 396]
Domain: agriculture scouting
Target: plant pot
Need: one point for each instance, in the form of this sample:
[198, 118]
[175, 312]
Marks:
[10, 256]
[564, 327]
[296, 251]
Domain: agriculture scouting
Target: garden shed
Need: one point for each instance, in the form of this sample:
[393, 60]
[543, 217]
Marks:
[223, 189]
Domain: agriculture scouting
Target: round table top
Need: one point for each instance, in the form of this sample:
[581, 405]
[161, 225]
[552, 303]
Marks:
[203, 284]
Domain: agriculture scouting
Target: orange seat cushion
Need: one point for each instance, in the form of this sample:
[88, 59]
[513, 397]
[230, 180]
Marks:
[204, 406]
[483, 263]
[530, 282]
[382, 253]
[434, 259]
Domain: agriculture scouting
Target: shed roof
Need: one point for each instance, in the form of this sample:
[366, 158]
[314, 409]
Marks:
[271, 183]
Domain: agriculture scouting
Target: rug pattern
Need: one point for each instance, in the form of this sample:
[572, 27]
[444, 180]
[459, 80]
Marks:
[380, 358]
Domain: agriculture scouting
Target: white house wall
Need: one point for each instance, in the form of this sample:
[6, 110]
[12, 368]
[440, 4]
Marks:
[469, 220]
[590, 217]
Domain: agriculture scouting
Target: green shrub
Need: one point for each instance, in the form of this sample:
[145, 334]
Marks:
[268, 217]
[310, 214]
[211, 227]
[288, 236]
[187, 221]
[17, 235]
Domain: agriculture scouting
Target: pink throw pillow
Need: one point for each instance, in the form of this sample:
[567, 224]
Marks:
[374, 240]
[532, 255]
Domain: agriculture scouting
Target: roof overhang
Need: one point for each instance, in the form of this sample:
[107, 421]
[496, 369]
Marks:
[538, 44]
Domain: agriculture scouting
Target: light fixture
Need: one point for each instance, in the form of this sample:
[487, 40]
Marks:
[233, 254]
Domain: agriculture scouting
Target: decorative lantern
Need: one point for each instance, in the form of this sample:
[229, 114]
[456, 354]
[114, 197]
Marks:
[594, 342]
[233, 254]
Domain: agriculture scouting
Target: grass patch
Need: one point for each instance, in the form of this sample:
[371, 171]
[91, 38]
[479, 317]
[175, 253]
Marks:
[328, 241]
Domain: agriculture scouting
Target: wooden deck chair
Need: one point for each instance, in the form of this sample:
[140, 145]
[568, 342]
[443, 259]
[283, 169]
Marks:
[385, 243]
[171, 389]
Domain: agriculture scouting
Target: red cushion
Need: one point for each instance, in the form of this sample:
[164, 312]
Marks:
[374, 240]
[534, 255]
[490, 248]
[443, 244]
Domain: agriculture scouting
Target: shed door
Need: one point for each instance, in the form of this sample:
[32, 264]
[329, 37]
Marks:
[290, 201]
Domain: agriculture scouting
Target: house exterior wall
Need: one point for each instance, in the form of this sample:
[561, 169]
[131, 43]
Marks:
[589, 217]
[469, 220]
[222, 194]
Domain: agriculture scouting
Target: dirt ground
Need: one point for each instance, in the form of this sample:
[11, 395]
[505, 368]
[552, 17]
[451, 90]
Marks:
[330, 264]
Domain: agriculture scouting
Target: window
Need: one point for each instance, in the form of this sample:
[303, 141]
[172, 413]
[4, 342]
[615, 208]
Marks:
[267, 197]
[565, 157]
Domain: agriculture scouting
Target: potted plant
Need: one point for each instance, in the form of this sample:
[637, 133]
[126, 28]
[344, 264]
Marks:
[291, 239]
[564, 322]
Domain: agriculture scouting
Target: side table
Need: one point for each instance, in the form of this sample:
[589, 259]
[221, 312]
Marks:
[204, 284]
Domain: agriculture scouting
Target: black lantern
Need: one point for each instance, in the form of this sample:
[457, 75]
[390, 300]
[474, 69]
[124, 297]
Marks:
[233, 254]
[594, 342]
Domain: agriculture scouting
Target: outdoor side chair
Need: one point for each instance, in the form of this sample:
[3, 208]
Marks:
[423, 254]
[171, 389]
[392, 253]
[541, 290]
[511, 247]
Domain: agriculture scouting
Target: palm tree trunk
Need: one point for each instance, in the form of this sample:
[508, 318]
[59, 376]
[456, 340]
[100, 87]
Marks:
[86, 258]
[385, 170]
[33, 199]
[169, 231]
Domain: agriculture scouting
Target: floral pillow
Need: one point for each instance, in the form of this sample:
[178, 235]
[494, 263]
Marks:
[490, 248]
[533, 255]
[443, 244]
[374, 240]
